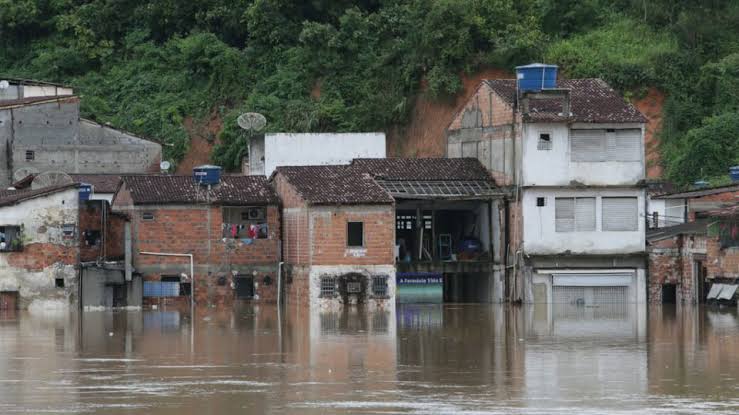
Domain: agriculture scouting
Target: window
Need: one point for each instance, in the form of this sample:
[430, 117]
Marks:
[147, 216]
[11, 238]
[328, 286]
[92, 238]
[545, 142]
[59, 282]
[355, 234]
[574, 214]
[245, 222]
[606, 145]
[620, 214]
[541, 201]
[30, 155]
[68, 230]
[379, 286]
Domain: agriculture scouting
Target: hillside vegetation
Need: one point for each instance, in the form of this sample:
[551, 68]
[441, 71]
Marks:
[339, 65]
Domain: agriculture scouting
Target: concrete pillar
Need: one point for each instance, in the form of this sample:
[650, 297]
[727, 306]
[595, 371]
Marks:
[128, 257]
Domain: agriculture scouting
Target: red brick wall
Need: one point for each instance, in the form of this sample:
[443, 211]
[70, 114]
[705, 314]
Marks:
[295, 242]
[297, 288]
[329, 235]
[714, 201]
[90, 220]
[494, 111]
[666, 267]
[37, 256]
[721, 263]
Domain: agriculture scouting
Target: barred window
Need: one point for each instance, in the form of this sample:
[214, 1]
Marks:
[328, 286]
[379, 286]
[545, 142]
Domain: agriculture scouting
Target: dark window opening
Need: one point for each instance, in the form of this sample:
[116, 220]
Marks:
[147, 216]
[355, 234]
[669, 294]
[170, 278]
[11, 238]
[328, 286]
[540, 201]
[545, 142]
[59, 282]
[30, 155]
[185, 289]
[68, 230]
[379, 286]
[244, 287]
[92, 238]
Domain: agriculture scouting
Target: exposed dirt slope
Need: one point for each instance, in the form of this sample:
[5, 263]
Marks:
[424, 134]
[203, 137]
[651, 106]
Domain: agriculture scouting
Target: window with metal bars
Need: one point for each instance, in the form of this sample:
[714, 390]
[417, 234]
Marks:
[545, 142]
[328, 286]
[379, 286]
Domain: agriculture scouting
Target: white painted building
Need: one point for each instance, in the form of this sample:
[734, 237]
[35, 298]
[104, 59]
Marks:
[573, 153]
[311, 149]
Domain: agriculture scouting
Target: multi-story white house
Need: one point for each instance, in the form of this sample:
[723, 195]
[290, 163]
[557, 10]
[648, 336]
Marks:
[572, 153]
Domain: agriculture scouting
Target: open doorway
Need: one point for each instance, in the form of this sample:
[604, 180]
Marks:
[669, 294]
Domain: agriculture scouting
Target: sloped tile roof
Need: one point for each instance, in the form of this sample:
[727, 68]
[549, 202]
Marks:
[11, 197]
[334, 185]
[102, 183]
[592, 100]
[379, 181]
[701, 192]
[232, 190]
[423, 168]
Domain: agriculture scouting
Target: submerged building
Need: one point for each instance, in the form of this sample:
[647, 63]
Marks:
[571, 153]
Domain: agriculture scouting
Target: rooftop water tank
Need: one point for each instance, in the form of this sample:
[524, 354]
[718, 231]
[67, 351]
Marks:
[207, 175]
[535, 77]
[734, 173]
[85, 191]
[701, 184]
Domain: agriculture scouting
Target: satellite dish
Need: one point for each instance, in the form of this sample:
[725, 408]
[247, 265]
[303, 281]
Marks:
[252, 121]
[49, 179]
[4, 84]
[23, 172]
[165, 165]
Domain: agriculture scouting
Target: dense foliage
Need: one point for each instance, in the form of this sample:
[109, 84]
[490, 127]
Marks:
[340, 65]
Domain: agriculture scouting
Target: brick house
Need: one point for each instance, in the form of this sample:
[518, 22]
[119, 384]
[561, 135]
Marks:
[687, 260]
[231, 229]
[350, 230]
[39, 247]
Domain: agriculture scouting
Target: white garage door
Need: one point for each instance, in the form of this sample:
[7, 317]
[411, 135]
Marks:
[592, 289]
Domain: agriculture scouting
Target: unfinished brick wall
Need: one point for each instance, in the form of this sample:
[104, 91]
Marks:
[721, 263]
[484, 109]
[111, 232]
[328, 235]
[714, 201]
[666, 267]
[199, 230]
[295, 242]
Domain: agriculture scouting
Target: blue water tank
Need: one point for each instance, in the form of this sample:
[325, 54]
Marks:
[207, 175]
[734, 173]
[535, 77]
[85, 191]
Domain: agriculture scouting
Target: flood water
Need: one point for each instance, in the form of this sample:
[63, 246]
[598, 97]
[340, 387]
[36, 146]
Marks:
[422, 359]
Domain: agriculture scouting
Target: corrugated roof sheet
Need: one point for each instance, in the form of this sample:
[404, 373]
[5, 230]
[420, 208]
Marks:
[232, 190]
[592, 100]
[423, 168]
[701, 192]
[34, 100]
[11, 197]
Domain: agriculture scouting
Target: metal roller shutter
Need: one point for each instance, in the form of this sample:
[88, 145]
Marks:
[587, 145]
[620, 214]
[585, 214]
[624, 145]
[592, 288]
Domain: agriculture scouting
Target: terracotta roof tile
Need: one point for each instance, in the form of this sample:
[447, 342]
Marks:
[334, 185]
[591, 100]
[102, 183]
[232, 190]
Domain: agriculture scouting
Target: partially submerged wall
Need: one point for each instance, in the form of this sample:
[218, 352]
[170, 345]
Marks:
[45, 271]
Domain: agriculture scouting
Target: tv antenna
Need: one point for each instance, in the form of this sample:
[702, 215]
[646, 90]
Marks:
[252, 122]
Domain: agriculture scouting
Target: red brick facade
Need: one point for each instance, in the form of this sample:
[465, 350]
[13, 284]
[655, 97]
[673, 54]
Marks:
[110, 246]
[218, 259]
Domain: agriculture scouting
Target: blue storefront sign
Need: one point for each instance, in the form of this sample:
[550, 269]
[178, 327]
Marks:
[420, 287]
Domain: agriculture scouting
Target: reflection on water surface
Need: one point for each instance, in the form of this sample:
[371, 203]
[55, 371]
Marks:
[418, 359]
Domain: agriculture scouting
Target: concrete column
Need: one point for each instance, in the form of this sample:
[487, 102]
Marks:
[128, 254]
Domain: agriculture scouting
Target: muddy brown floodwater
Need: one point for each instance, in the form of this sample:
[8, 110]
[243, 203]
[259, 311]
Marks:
[422, 359]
